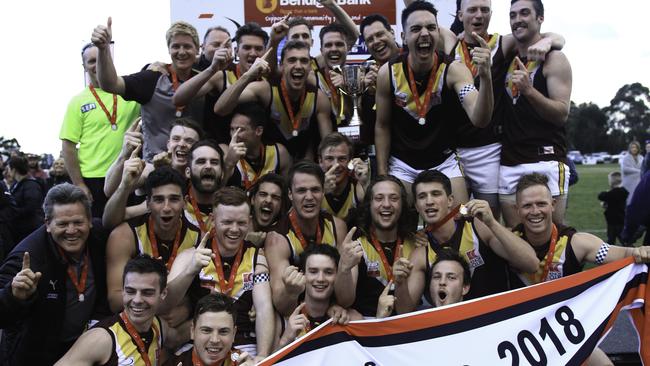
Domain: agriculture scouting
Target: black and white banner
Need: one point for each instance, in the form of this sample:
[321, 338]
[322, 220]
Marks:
[554, 323]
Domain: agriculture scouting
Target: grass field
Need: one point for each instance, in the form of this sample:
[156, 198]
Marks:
[585, 212]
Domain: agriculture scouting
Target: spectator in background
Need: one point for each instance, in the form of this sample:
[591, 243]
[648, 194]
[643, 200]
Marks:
[5, 179]
[631, 168]
[58, 174]
[35, 169]
[614, 204]
[646, 161]
[637, 214]
[28, 193]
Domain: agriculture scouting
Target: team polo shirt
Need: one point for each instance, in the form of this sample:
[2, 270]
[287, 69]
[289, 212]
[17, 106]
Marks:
[86, 124]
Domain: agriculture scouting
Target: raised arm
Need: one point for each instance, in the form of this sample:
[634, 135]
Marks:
[344, 18]
[119, 249]
[348, 270]
[245, 89]
[92, 348]
[132, 139]
[115, 209]
[587, 247]
[409, 277]
[555, 108]
[502, 241]
[477, 104]
[287, 283]
[205, 81]
[323, 110]
[382, 124]
[265, 314]
[108, 79]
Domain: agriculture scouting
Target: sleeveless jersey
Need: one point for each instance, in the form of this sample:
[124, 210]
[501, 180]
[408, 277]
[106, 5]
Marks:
[328, 231]
[373, 275]
[420, 146]
[564, 261]
[528, 137]
[190, 237]
[468, 135]
[242, 291]
[271, 164]
[341, 209]
[125, 351]
[280, 127]
[190, 215]
[340, 115]
[489, 271]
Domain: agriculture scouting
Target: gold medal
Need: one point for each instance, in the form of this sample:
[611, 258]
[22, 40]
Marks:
[179, 113]
[422, 121]
[81, 298]
[114, 127]
[295, 133]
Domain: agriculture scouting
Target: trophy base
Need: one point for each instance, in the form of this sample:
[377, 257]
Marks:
[351, 132]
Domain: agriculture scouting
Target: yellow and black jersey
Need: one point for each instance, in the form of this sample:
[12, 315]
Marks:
[340, 206]
[246, 173]
[373, 274]
[563, 262]
[328, 236]
[280, 128]
[489, 271]
[241, 289]
[190, 236]
[125, 350]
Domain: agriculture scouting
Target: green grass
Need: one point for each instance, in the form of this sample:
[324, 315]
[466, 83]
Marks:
[585, 212]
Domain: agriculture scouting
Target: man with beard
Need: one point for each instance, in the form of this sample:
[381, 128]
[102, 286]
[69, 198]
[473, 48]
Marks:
[213, 333]
[96, 121]
[220, 73]
[366, 266]
[182, 136]
[298, 112]
[268, 199]
[412, 92]
[344, 187]
[320, 265]
[307, 224]
[153, 89]
[232, 266]
[206, 177]
[477, 236]
[247, 157]
[53, 283]
[163, 233]
[537, 102]
[479, 149]
[135, 336]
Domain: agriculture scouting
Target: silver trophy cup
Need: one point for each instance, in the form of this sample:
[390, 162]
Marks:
[353, 82]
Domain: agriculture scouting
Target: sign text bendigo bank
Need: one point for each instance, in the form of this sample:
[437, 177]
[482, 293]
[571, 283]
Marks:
[267, 12]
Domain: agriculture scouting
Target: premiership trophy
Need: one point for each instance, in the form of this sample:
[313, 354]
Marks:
[353, 82]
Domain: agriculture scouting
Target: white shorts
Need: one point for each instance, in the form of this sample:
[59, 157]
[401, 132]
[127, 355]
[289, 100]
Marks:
[557, 173]
[480, 167]
[403, 171]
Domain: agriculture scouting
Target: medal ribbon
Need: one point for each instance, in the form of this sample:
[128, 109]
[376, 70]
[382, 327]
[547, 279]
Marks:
[530, 66]
[462, 50]
[398, 252]
[197, 212]
[298, 231]
[137, 339]
[295, 120]
[226, 287]
[433, 227]
[549, 256]
[256, 174]
[334, 94]
[79, 285]
[154, 243]
[433, 84]
[112, 118]
[175, 83]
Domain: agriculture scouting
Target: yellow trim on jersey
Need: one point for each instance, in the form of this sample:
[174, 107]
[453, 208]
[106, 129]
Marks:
[404, 96]
[329, 237]
[271, 164]
[190, 237]
[469, 248]
[243, 279]
[189, 214]
[231, 77]
[351, 201]
[562, 177]
[278, 109]
[556, 270]
[127, 351]
[374, 264]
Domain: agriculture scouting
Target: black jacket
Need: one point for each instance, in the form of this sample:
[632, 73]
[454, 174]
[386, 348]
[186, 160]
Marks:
[32, 328]
[29, 194]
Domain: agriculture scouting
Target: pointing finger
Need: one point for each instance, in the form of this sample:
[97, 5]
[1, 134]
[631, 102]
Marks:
[109, 23]
[136, 152]
[286, 17]
[350, 235]
[204, 241]
[387, 288]
[521, 64]
[480, 40]
[298, 309]
[233, 139]
[266, 54]
[26, 261]
[135, 126]
[332, 169]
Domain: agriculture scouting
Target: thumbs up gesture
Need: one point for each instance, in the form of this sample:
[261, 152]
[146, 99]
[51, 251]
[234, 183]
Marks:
[102, 35]
[25, 283]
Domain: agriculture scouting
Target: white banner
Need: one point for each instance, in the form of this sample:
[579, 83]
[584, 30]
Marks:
[554, 323]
